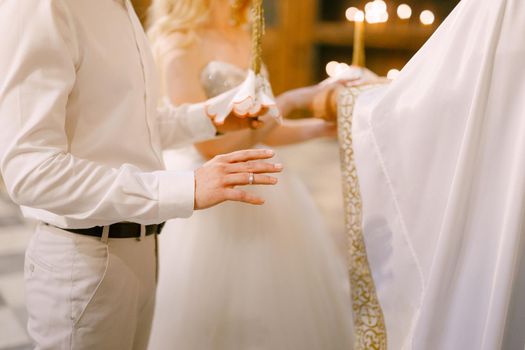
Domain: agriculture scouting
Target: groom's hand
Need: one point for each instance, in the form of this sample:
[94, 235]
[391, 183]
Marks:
[216, 180]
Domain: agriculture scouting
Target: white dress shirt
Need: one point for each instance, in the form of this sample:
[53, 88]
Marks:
[80, 133]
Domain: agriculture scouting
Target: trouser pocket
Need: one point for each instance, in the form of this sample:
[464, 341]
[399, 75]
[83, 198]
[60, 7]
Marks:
[62, 273]
[88, 274]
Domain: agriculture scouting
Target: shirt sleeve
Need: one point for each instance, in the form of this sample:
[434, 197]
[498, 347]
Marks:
[38, 60]
[184, 124]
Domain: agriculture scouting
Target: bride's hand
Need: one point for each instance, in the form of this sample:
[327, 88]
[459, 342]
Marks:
[296, 99]
[330, 130]
[235, 123]
[216, 180]
[302, 98]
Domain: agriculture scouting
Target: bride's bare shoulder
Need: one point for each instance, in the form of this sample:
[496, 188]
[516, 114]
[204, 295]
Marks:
[181, 67]
[180, 50]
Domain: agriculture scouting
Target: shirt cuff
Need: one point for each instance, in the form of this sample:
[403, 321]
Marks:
[201, 125]
[176, 194]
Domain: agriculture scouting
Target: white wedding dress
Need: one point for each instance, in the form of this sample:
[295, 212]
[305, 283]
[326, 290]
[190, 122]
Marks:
[240, 277]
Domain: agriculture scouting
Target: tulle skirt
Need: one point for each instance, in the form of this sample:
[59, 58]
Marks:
[239, 277]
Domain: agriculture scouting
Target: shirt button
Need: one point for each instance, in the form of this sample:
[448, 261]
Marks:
[32, 268]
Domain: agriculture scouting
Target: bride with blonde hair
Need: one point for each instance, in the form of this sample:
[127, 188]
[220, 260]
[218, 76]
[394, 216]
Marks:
[238, 277]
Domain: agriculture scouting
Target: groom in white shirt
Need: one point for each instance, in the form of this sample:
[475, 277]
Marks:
[80, 151]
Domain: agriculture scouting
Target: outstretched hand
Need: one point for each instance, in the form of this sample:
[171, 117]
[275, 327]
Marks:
[216, 181]
[302, 98]
[236, 123]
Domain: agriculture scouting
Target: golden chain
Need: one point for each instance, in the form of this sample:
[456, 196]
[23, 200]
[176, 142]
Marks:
[257, 35]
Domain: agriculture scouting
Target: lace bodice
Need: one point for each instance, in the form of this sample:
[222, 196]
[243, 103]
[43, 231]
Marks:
[218, 77]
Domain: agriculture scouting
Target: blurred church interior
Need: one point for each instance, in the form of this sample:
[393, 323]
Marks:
[302, 37]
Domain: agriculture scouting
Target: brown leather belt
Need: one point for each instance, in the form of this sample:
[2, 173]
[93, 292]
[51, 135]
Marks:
[118, 230]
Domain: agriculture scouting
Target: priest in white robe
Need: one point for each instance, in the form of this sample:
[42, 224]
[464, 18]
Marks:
[440, 156]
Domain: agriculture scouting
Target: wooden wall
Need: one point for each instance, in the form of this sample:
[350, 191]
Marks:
[141, 7]
[288, 50]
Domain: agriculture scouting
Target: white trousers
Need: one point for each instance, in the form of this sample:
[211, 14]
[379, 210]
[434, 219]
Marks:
[84, 293]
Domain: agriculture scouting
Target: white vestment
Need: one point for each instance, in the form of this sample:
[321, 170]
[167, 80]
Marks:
[440, 156]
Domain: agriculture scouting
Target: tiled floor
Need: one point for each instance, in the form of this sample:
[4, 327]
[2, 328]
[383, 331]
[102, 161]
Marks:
[319, 170]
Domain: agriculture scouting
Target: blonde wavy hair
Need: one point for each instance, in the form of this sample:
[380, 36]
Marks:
[167, 17]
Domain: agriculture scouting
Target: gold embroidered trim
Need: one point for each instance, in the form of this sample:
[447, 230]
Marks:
[369, 322]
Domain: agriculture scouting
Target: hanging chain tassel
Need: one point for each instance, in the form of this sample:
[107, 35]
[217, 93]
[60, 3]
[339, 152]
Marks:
[257, 35]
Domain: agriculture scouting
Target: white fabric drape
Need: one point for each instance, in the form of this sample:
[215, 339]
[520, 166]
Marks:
[441, 161]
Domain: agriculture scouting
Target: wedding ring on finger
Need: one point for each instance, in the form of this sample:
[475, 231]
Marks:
[255, 123]
[251, 179]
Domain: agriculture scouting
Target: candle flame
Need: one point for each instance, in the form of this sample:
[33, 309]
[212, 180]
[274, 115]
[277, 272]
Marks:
[359, 16]
[427, 17]
[376, 11]
[331, 68]
[404, 11]
[350, 13]
[392, 74]
[341, 68]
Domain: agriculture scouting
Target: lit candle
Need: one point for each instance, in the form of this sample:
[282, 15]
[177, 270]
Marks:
[393, 74]
[358, 58]
[331, 68]
[350, 13]
[404, 11]
[427, 17]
